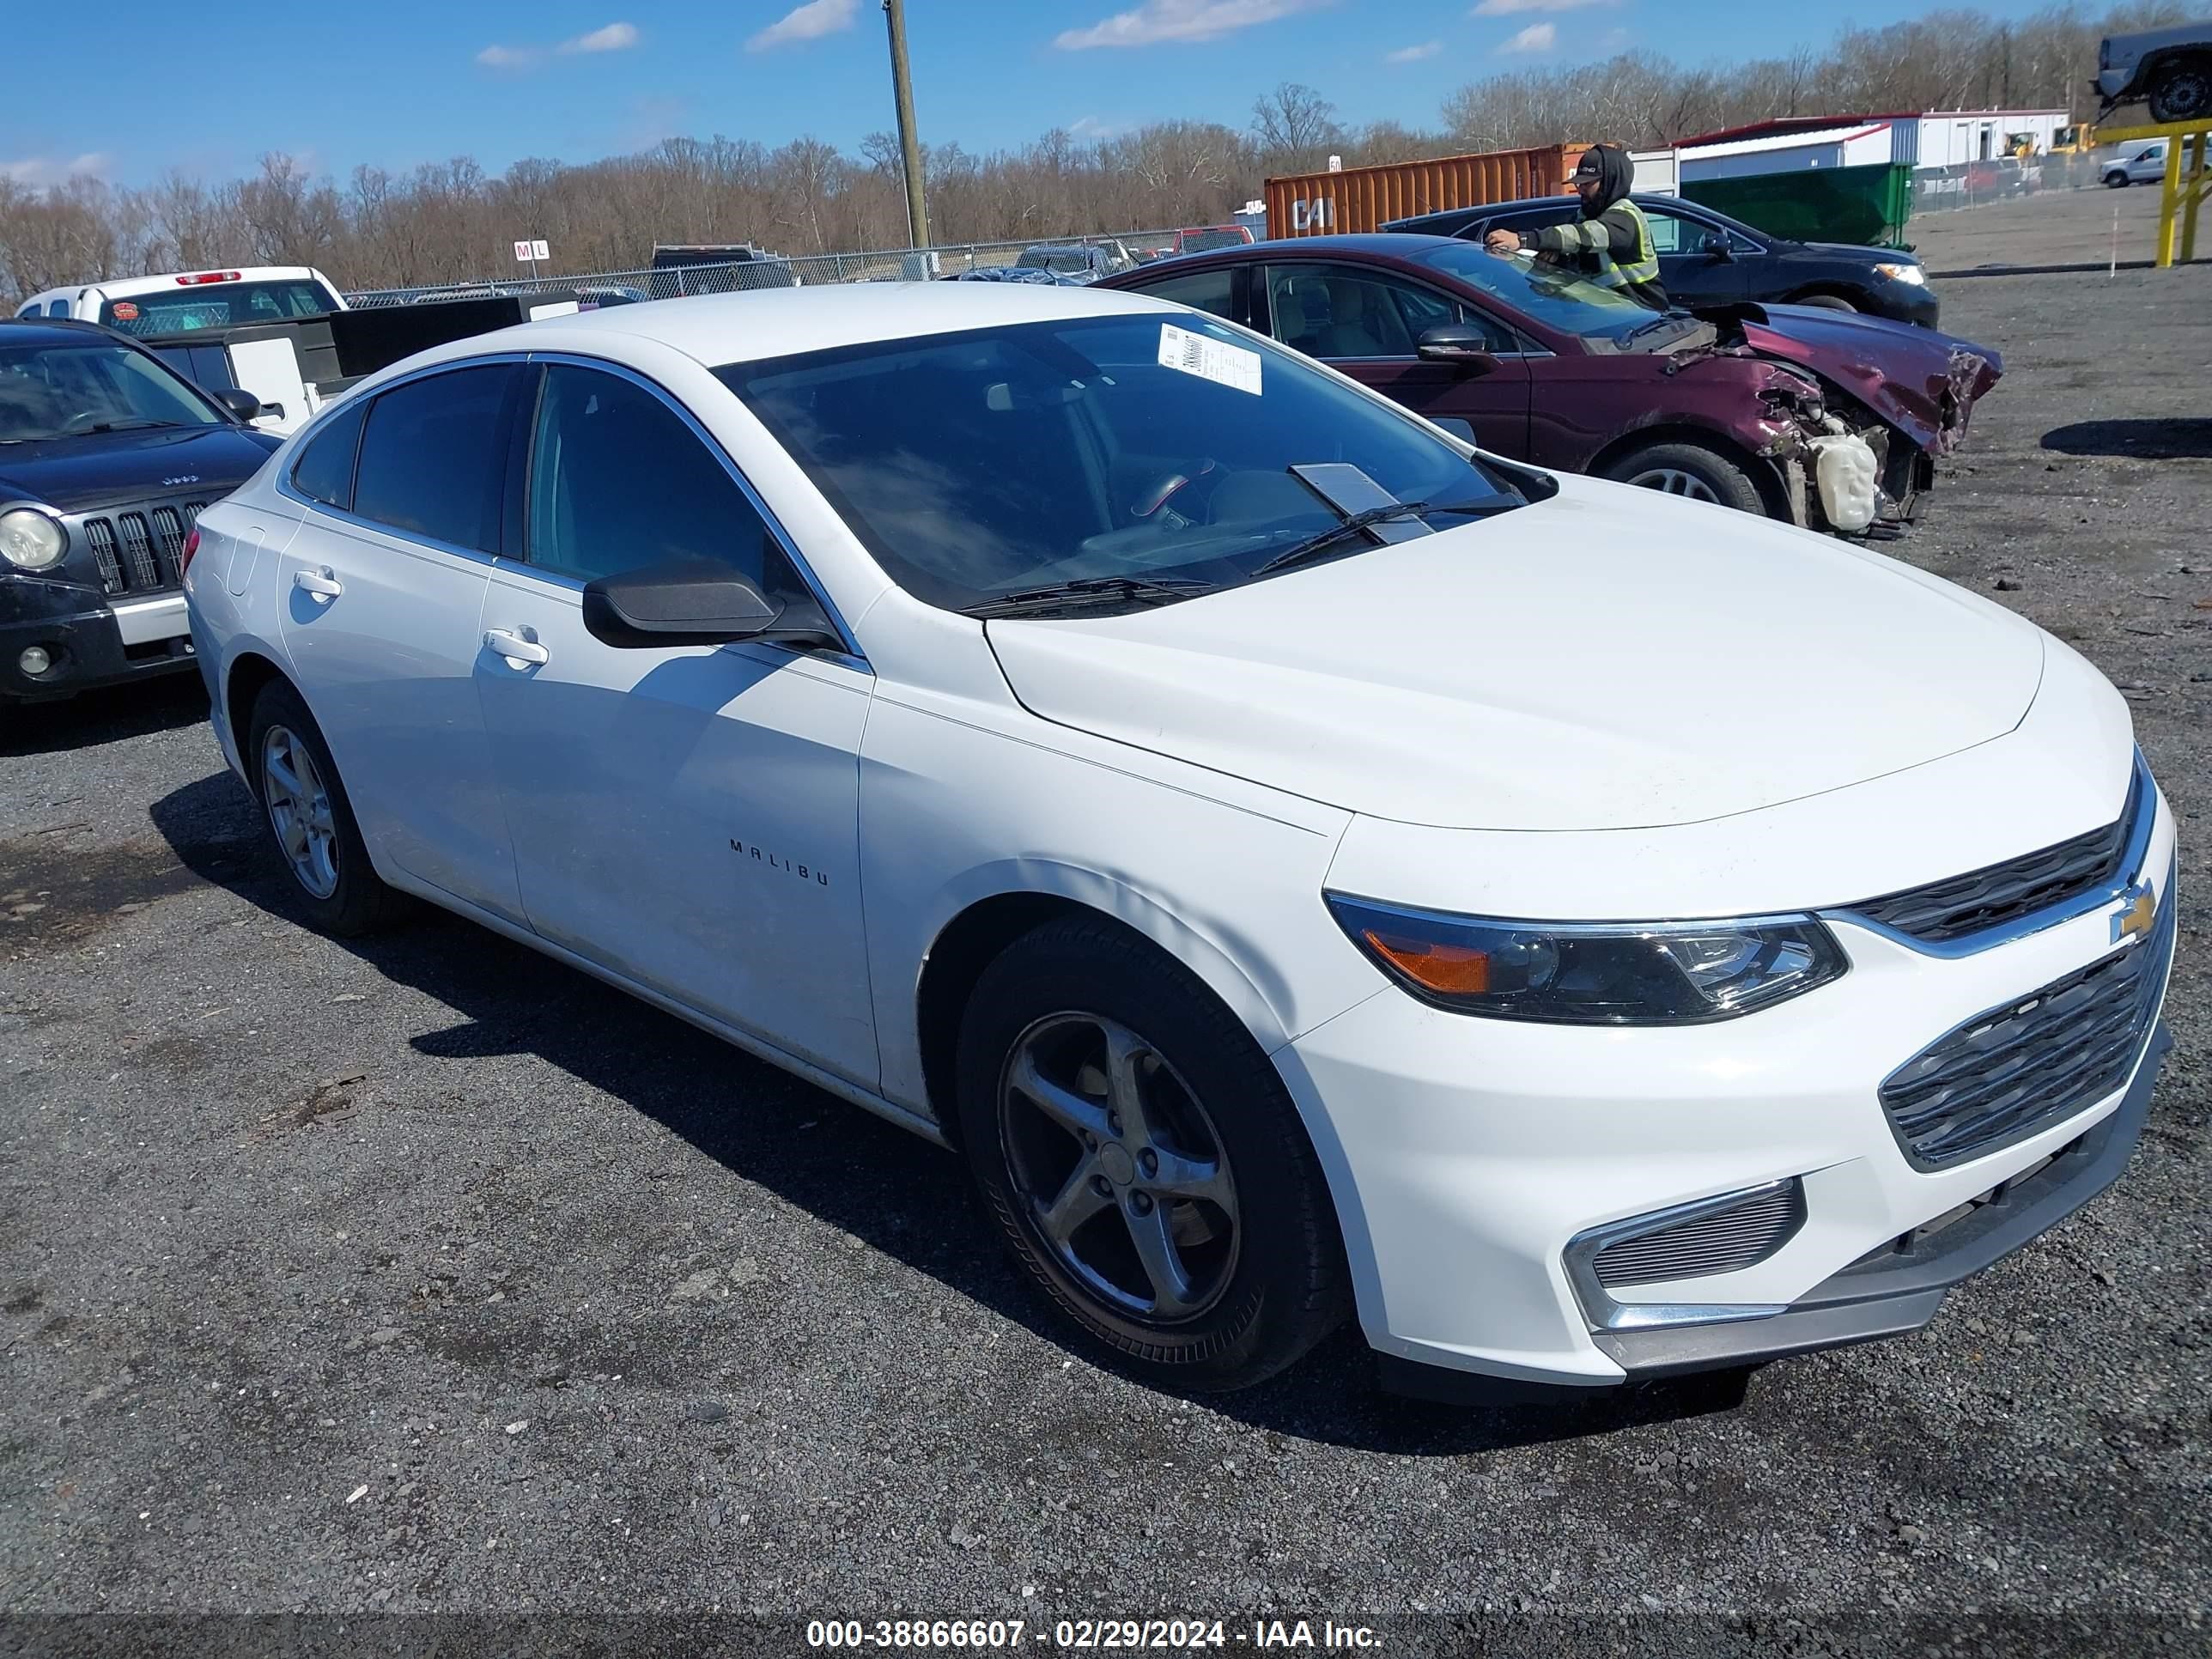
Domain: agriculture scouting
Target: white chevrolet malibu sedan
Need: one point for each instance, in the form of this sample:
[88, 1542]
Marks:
[1306, 866]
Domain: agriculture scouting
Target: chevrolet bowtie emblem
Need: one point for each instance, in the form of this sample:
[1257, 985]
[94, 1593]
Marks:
[2141, 909]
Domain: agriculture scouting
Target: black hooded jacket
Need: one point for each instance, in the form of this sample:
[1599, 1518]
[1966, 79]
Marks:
[1610, 224]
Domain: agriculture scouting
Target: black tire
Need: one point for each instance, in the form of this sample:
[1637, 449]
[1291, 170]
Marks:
[357, 900]
[1825, 301]
[2182, 91]
[1661, 466]
[1274, 1278]
[2116, 179]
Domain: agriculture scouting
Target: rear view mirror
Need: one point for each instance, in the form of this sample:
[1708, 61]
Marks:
[697, 602]
[1464, 345]
[1716, 247]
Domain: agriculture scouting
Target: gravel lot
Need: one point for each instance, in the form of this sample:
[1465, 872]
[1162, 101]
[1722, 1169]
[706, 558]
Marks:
[428, 1275]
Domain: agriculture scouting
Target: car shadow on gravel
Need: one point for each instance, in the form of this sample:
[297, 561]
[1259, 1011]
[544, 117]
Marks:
[2141, 440]
[856, 1172]
[108, 715]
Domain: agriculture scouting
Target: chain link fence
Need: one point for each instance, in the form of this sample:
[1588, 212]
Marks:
[1108, 253]
[1976, 183]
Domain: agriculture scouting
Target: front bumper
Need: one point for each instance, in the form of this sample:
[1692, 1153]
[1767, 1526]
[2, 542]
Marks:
[1478, 1152]
[1908, 302]
[92, 642]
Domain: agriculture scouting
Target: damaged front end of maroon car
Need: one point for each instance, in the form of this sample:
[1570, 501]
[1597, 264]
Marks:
[1861, 408]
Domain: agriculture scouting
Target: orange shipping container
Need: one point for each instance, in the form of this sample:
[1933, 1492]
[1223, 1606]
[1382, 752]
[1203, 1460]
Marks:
[1360, 199]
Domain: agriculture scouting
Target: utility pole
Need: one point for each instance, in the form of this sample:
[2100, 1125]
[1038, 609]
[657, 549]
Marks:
[917, 217]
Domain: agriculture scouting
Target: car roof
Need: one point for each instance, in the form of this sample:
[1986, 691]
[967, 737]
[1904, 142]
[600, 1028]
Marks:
[62, 330]
[732, 328]
[127, 287]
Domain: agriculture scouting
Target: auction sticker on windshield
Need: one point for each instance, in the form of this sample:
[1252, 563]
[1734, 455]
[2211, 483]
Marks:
[1210, 359]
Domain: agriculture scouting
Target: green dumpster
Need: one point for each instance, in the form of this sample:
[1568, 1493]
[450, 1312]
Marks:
[1865, 205]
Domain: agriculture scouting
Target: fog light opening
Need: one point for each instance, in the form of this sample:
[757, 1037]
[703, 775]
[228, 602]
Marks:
[35, 660]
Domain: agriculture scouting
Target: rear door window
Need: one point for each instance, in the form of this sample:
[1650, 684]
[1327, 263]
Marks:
[433, 456]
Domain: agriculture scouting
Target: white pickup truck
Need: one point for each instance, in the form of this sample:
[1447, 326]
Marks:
[205, 301]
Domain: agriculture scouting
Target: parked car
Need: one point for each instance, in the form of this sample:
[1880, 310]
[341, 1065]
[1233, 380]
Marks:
[1086, 262]
[1812, 416]
[1102, 741]
[1707, 259]
[2139, 164]
[176, 302]
[2169, 69]
[107, 457]
[1033, 274]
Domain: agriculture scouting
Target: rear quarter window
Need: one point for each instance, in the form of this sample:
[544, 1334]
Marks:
[324, 472]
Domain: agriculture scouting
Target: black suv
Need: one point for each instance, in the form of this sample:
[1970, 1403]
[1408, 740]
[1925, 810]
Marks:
[1707, 259]
[107, 456]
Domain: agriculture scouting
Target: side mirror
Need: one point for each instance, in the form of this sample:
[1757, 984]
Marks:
[1715, 247]
[697, 602]
[1463, 345]
[240, 402]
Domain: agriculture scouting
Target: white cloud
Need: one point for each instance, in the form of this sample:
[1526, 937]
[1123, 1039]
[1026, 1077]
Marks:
[1414, 54]
[616, 36]
[808, 22]
[1537, 36]
[1508, 7]
[1157, 20]
[44, 170]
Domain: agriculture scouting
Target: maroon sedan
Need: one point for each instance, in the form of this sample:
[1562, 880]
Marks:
[1819, 417]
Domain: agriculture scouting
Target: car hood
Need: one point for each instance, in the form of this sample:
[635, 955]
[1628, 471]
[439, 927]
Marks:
[73, 475]
[1600, 660]
[1923, 383]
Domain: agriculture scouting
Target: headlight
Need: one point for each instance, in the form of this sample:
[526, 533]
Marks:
[1912, 274]
[1594, 973]
[31, 539]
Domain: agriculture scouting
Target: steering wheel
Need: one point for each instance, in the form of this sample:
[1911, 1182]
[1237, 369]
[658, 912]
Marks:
[1152, 501]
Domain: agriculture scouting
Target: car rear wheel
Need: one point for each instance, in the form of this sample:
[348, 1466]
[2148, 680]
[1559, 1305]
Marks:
[1691, 471]
[2183, 91]
[310, 820]
[1145, 1162]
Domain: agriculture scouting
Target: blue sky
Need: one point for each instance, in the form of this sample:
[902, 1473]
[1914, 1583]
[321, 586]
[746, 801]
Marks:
[405, 82]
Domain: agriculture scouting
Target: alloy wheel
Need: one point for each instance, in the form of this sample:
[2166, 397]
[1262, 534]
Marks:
[1116, 1170]
[1672, 481]
[300, 811]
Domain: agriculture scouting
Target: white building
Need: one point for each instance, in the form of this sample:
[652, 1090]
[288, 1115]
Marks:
[1935, 140]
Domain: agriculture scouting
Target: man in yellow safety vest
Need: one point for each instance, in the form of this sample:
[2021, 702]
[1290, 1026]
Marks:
[1611, 244]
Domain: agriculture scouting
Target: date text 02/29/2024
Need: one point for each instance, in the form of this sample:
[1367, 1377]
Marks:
[1109, 1635]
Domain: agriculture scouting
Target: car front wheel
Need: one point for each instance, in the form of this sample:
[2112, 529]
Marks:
[2116, 179]
[1145, 1162]
[310, 820]
[1690, 470]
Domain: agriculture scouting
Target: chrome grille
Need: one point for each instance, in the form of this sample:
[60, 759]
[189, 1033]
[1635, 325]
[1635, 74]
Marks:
[1719, 1242]
[1960, 906]
[139, 550]
[2014, 1069]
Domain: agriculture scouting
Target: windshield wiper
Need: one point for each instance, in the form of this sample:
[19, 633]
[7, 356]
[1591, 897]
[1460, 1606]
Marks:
[134, 424]
[1090, 590]
[1321, 540]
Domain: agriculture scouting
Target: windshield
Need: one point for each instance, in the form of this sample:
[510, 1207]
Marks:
[1558, 299]
[979, 464]
[218, 305]
[73, 390]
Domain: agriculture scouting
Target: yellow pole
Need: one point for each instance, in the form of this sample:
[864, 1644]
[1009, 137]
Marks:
[2199, 183]
[2169, 202]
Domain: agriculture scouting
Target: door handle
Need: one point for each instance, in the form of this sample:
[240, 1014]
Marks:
[320, 583]
[515, 647]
